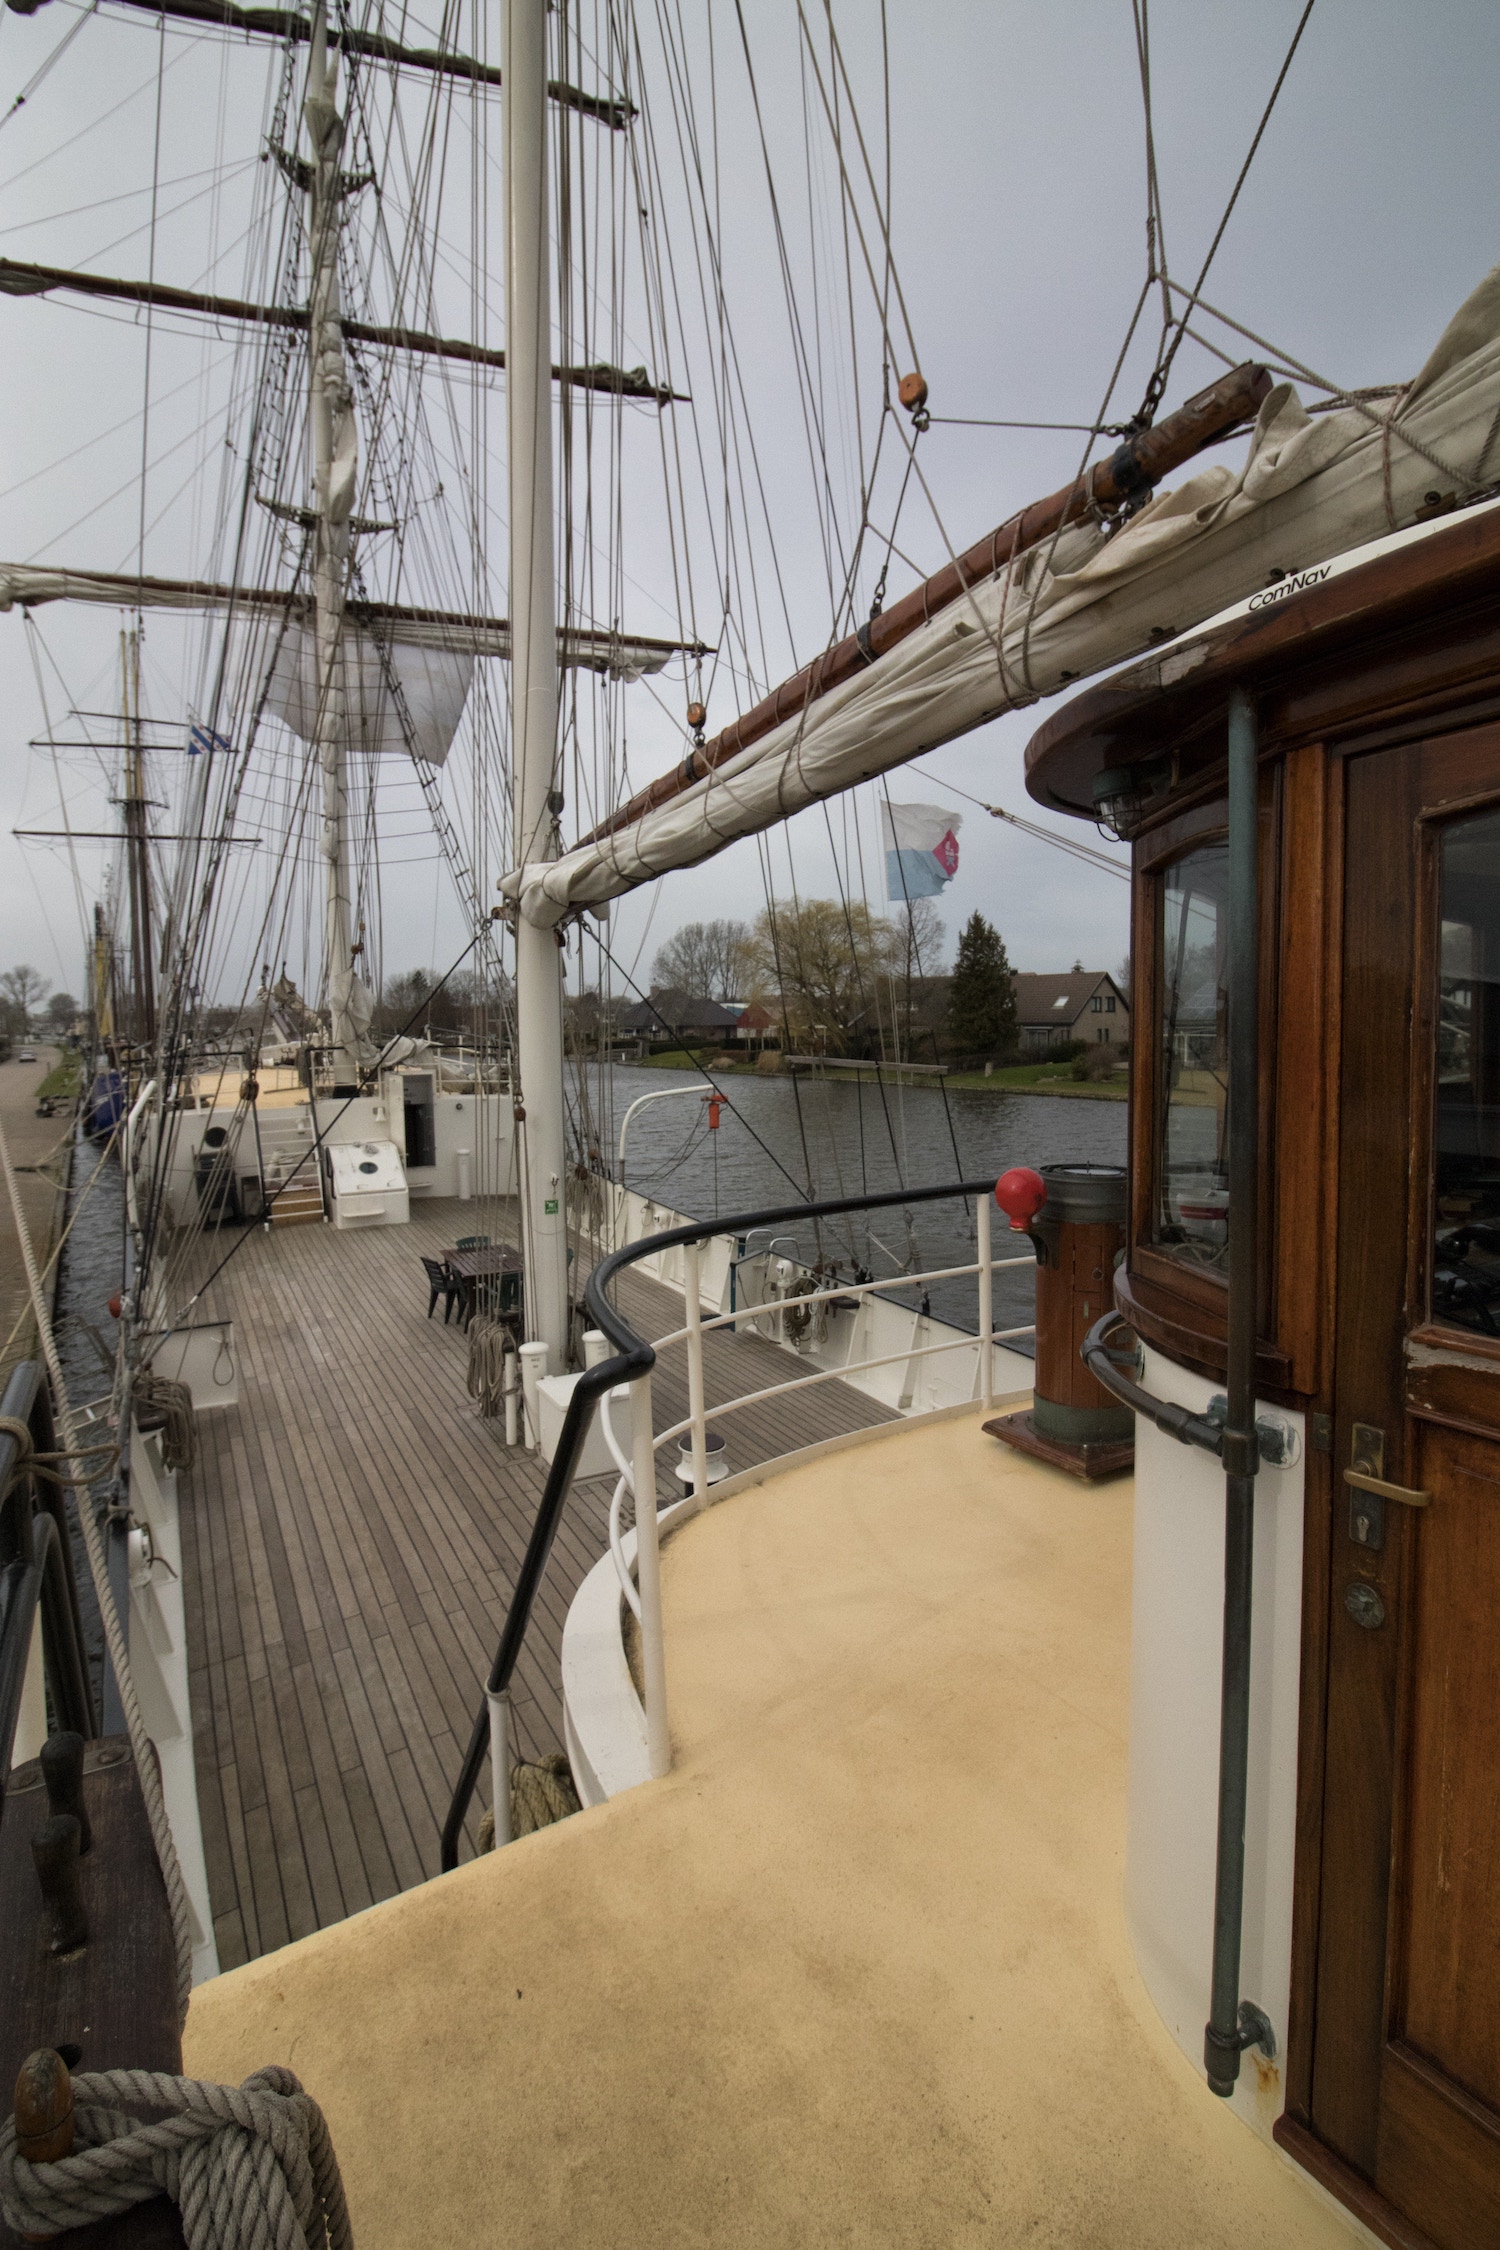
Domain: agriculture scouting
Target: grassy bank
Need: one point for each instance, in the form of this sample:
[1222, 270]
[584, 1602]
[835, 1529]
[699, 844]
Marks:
[1043, 1078]
[1013, 1078]
[62, 1081]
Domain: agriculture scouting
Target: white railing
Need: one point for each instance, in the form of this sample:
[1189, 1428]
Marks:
[640, 1587]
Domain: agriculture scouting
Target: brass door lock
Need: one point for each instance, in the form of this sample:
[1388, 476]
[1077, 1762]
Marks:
[1368, 1489]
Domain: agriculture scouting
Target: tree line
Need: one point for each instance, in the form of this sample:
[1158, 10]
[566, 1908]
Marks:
[836, 978]
[28, 1004]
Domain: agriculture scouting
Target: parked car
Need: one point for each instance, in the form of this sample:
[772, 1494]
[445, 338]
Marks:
[27, 1054]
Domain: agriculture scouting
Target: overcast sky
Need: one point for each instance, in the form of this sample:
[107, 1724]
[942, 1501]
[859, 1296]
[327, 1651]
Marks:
[1018, 230]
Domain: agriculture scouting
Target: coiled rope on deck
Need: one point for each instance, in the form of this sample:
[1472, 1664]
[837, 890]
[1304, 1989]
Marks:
[251, 2167]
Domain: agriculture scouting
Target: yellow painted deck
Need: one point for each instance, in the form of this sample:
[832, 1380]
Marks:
[855, 1972]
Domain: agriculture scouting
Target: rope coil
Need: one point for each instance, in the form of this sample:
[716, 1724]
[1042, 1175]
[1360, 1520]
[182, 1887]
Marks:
[158, 1399]
[489, 1342]
[251, 2167]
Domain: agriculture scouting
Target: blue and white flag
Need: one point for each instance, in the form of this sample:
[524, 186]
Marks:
[204, 738]
[921, 850]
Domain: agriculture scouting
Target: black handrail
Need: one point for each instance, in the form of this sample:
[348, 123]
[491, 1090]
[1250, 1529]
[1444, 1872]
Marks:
[634, 1356]
[39, 1572]
[1177, 1421]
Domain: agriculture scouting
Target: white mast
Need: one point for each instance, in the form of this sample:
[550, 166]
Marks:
[335, 463]
[533, 612]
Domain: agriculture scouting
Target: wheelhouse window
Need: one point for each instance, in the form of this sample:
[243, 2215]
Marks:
[1466, 1139]
[1191, 1216]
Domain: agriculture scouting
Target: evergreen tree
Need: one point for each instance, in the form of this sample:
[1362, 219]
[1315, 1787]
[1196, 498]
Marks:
[982, 996]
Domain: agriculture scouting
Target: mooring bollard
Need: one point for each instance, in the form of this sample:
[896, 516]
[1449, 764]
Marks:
[1075, 1215]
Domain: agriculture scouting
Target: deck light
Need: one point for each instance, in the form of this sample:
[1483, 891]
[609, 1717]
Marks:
[1122, 793]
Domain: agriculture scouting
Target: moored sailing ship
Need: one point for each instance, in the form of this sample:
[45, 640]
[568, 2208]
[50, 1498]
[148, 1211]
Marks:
[380, 1595]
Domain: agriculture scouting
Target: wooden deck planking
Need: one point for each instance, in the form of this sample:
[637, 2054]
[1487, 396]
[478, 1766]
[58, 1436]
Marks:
[351, 1536]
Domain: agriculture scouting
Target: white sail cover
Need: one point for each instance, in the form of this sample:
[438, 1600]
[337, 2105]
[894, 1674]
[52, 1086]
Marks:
[1310, 488]
[397, 698]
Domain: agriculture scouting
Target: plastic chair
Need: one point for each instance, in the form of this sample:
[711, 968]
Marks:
[472, 1242]
[442, 1284]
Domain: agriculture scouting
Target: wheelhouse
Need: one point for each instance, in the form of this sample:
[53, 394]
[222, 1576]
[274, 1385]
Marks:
[1370, 1222]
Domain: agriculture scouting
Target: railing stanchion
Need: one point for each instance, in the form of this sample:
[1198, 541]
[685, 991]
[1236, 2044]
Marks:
[499, 1703]
[693, 1265]
[648, 1578]
[986, 1306]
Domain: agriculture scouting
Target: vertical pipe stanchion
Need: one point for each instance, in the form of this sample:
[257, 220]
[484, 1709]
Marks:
[648, 1577]
[692, 1273]
[499, 1703]
[1231, 2027]
[986, 1306]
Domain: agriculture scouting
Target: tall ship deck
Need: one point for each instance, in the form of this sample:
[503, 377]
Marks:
[351, 1534]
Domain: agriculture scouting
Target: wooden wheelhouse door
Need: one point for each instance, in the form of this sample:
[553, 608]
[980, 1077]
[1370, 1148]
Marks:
[1405, 2080]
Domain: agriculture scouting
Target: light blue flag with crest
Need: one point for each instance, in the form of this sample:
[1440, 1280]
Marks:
[921, 850]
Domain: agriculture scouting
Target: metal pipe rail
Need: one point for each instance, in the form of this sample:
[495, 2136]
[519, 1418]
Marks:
[837, 1374]
[845, 1289]
[694, 1421]
[633, 1362]
[1177, 1421]
[37, 1573]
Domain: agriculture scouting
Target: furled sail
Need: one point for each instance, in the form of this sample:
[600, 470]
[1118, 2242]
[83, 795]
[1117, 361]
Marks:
[1310, 489]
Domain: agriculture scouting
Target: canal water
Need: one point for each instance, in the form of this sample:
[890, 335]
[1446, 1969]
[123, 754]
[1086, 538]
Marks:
[781, 1140]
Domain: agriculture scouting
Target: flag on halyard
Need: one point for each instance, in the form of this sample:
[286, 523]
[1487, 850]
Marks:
[921, 850]
[204, 738]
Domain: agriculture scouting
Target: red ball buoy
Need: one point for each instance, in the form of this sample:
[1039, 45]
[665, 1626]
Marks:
[114, 1305]
[1020, 1194]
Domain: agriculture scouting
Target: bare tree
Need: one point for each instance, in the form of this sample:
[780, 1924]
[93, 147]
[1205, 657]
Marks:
[826, 961]
[920, 933]
[706, 960]
[22, 991]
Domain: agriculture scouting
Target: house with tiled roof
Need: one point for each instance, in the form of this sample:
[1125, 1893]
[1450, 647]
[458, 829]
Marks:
[683, 1015]
[1053, 1011]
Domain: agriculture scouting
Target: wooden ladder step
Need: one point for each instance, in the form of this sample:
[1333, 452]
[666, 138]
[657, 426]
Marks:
[295, 1206]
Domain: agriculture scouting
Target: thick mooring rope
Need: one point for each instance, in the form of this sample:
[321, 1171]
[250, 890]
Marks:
[539, 1795]
[146, 1767]
[489, 1341]
[153, 1395]
[251, 2167]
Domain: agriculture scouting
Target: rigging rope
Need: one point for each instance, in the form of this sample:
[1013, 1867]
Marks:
[730, 1105]
[1156, 388]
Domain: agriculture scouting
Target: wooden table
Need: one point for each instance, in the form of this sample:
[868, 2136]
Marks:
[470, 1267]
[478, 1265]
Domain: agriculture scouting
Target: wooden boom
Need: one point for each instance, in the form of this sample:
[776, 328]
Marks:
[283, 23]
[19, 279]
[1131, 470]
